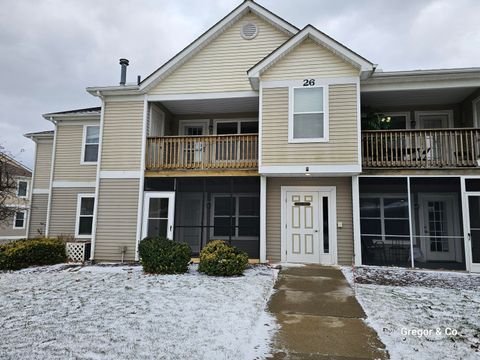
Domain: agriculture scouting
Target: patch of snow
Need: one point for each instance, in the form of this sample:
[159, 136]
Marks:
[107, 312]
[421, 321]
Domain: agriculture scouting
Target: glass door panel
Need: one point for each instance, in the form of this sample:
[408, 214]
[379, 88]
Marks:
[158, 214]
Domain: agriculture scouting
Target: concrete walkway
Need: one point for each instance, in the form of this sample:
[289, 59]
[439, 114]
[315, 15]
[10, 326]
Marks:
[320, 317]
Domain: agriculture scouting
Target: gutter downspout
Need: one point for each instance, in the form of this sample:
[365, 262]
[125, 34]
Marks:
[52, 167]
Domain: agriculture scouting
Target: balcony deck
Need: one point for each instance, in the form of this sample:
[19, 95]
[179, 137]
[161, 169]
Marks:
[421, 149]
[202, 153]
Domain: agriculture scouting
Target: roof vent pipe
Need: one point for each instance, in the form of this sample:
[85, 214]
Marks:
[123, 74]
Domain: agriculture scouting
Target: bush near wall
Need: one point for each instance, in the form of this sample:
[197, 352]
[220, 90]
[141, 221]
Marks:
[23, 253]
[219, 258]
[162, 256]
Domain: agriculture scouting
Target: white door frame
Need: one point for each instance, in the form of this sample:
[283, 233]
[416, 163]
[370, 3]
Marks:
[170, 195]
[204, 123]
[419, 114]
[455, 220]
[332, 226]
[471, 266]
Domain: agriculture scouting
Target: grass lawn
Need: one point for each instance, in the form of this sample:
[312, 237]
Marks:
[116, 313]
[421, 314]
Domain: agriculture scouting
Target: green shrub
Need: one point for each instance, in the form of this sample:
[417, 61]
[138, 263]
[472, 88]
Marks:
[221, 259]
[163, 256]
[23, 253]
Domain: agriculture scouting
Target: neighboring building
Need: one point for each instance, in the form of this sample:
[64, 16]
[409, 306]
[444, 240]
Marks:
[253, 134]
[16, 227]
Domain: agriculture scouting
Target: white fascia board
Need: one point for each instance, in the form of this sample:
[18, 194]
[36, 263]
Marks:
[120, 174]
[317, 36]
[204, 39]
[313, 170]
[419, 83]
[113, 90]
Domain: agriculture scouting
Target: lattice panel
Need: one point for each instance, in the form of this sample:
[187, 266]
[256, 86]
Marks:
[76, 251]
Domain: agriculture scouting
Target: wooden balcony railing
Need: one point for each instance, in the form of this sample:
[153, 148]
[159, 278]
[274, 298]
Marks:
[436, 148]
[202, 152]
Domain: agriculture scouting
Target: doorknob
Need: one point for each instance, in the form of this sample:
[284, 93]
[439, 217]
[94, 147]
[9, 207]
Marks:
[316, 230]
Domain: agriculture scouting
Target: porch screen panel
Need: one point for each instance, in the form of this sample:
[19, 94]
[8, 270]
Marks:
[474, 210]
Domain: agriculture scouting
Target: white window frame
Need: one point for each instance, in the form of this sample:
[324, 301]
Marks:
[84, 143]
[406, 114]
[325, 113]
[24, 219]
[238, 121]
[196, 122]
[449, 114]
[236, 216]
[27, 189]
[382, 218]
[77, 218]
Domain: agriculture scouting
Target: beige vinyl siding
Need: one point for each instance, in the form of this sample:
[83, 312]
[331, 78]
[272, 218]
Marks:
[342, 147]
[222, 65]
[43, 165]
[309, 60]
[117, 219]
[6, 228]
[68, 153]
[38, 215]
[122, 136]
[63, 213]
[344, 214]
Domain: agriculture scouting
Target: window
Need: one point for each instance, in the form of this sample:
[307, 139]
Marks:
[19, 220]
[91, 140]
[308, 120]
[22, 188]
[384, 217]
[237, 126]
[237, 216]
[85, 209]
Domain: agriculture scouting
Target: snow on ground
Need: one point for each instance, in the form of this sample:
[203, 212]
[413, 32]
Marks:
[421, 314]
[70, 312]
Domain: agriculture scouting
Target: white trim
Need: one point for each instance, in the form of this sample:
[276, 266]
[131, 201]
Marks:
[476, 114]
[84, 140]
[142, 175]
[52, 169]
[97, 183]
[40, 191]
[291, 113]
[359, 125]
[170, 195]
[332, 190]
[357, 238]
[239, 121]
[73, 184]
[194, 122]
[449, 114]
[134, 174]
[77, 216]
[30, 196]
[24, 212]
[27, 194]
[260, 124]
[410, 222]
[323, 40]
[204, 39]
[204, 96]
[269, 84]
[352, 169]
[263, 219]
[466, 225]
[16, 237]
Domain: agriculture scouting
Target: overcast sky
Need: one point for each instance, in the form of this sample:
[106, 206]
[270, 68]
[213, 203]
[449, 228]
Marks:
[51, 50]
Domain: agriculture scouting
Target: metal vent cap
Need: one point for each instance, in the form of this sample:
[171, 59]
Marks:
[249, 31]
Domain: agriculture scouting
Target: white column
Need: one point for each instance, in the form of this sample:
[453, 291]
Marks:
[263, 219]
[357, 240]
[466, 229]
[410, 223]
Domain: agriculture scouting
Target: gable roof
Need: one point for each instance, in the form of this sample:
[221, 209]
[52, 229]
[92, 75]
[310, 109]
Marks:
[18, 168]
[320, 38]
[174, 63]
[85, 113]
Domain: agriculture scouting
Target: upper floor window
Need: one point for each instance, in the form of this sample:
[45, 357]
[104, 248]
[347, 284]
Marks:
[91, 140]
[308, 115]
[22, 189]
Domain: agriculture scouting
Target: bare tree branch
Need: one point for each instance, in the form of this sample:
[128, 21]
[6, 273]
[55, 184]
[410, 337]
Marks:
[8, 187]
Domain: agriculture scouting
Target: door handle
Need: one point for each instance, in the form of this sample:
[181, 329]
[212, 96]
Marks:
[316, 231]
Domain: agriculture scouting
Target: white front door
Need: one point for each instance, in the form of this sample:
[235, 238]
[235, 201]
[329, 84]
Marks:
[474, 231]
[309, 233]
[158, 214]
[439, 226]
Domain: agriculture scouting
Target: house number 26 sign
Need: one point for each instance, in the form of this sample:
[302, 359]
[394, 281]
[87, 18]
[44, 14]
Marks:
[309, 82]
